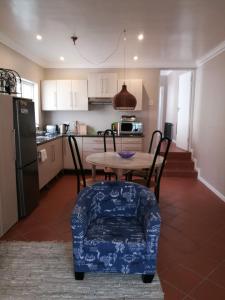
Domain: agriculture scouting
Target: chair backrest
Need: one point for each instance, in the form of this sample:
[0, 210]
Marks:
[166, 141]
[112, 135]
[155, 134]
[79, 171]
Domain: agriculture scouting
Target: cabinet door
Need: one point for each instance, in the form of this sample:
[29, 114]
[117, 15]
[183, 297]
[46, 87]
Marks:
[56, 157]
[108, 83]
[64, 95]
[102, 85]
[79, 95]
[132, 144]
[67, 156]
[44, 168]
[96, 145]
[49, 95]
[134, 86]
[94, 88]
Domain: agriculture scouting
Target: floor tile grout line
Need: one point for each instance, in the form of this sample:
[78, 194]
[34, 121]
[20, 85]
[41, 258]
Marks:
[173, 286]
[203, 279]
[206, 276]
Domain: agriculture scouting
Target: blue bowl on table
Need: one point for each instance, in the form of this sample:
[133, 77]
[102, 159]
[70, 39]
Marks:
[126, 154]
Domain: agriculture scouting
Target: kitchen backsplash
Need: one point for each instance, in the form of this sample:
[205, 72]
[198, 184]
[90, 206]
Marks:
[96, 119]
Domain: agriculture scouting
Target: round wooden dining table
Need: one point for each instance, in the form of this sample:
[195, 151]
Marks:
[140, 160]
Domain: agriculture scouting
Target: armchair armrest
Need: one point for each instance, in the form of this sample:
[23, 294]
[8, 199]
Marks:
[149, 217]
[152, 229]
[80, 217]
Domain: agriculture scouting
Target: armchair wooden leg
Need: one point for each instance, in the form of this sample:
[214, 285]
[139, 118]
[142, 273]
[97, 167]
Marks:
[79, 275]
[147, 278]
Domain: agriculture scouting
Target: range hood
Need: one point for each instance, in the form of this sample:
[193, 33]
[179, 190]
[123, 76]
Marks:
[100, 101]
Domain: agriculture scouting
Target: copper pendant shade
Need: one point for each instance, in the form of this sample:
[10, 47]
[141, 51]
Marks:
[124, 100]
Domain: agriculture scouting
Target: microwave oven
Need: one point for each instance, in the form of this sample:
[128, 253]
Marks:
[128, 128]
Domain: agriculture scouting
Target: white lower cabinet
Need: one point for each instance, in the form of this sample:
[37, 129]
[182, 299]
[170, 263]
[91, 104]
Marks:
[133, 144]
[59, 155]
[49, 168]
[67, 156]
[96, 145]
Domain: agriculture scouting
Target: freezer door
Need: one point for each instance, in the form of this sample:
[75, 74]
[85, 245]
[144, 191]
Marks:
[24, 122]
[27, 189]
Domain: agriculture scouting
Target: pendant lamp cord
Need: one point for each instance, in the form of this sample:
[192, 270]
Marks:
[104, 60]
[124, 54]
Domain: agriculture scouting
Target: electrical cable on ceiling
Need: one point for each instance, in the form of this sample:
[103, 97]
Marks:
[74, 38]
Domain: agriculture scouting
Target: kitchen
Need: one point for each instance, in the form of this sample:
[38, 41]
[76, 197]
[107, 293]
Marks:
[170, 42]
[52, 147]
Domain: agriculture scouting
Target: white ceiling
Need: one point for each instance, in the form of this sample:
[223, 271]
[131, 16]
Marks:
[177, 32]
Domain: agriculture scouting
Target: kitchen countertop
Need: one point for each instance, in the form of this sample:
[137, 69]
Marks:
[45, 139]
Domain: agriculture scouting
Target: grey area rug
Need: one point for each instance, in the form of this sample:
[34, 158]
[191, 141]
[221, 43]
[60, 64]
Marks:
[33, 270]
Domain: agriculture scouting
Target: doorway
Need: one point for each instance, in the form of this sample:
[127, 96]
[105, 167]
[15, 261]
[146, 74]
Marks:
[174, 105]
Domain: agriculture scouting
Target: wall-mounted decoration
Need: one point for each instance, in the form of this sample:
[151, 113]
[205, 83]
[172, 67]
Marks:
[10, 82]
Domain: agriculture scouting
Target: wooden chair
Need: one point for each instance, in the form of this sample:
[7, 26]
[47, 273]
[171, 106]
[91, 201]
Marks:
[108, 171]
[78, 166]
[154, 174]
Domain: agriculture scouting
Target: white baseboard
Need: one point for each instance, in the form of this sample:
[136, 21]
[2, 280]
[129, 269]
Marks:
[209, 186]
[200, 178]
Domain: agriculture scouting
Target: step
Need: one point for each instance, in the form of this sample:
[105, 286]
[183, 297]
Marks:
[179, 164]
[179, 155]
[180, 173]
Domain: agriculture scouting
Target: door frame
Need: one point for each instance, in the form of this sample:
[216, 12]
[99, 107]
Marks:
[191, 107]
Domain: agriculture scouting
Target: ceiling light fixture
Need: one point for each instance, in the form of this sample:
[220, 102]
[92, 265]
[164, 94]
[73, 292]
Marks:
[135, 57]
[38, 37]
[141, 36]
[62, 58]
[124, 100]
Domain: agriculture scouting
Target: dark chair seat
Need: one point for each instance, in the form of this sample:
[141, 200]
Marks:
[116, 229]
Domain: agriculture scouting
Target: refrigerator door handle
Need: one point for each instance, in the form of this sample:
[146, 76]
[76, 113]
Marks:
[13, 134]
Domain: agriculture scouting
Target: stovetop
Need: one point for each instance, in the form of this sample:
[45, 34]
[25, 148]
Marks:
[101, 132]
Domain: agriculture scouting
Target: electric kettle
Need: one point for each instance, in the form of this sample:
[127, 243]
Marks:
[63, 128]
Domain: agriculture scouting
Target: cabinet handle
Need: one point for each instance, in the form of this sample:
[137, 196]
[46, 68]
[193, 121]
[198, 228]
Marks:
[64, 146]
[105, 86]
[75, 99]
[102, 86]
[71, 99]
[55, 96]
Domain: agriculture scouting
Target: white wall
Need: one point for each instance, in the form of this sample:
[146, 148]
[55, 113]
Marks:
[10, 59]
[208, 137]
[101, 117]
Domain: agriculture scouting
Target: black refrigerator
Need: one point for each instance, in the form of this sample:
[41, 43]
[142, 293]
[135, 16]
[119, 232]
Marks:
[26, 156]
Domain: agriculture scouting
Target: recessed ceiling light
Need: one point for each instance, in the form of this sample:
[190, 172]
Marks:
[39, 37]
[135, 57]
[62, 58]
[141, 36]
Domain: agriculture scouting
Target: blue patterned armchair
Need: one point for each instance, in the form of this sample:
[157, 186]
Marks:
[115, 228]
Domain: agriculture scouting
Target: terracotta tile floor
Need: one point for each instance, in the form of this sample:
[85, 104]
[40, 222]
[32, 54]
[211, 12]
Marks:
[191, 259]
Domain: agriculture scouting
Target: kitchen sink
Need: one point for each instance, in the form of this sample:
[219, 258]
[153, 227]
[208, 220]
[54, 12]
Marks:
[42, 138]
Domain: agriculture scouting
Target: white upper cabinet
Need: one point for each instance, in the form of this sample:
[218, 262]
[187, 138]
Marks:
[64, 95]
[79, 95]
[102, 85]
[49, 95]
[134, 86]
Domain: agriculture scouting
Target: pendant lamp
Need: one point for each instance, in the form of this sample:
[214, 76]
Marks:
[124, 100]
